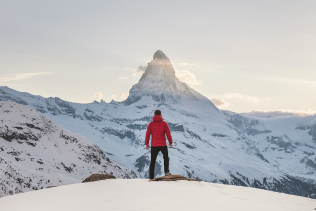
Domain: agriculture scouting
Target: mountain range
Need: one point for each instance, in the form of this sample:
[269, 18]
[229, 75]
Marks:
[212, 145]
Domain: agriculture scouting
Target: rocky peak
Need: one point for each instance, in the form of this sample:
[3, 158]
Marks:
[161, 84]
[159, 55]
[160, 68]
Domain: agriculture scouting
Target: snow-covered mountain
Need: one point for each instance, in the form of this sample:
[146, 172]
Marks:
[213, 145]
[139, 194]
[36, 153]
[160, 84]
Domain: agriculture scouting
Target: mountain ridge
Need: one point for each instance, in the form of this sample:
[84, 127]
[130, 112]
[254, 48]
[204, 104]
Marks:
[35, 153]
[210, 144]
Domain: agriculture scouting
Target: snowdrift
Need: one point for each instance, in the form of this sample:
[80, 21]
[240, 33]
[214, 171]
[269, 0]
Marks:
[140, 194]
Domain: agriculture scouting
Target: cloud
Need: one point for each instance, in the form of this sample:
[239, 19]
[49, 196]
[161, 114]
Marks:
[22, 76]
[123, 78]
[242, 97]
[139, 71]
[221, 103]
[188, 77]
[295, 81]
[98, 95]
[124, 96]
[186, 64]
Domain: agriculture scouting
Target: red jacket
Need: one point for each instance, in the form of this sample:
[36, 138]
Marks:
[158, 130]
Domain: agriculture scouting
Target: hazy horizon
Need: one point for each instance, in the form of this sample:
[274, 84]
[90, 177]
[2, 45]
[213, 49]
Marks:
[245, 55]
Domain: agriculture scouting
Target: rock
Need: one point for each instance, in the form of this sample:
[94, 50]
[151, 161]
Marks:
[173, 178]
[97, 177]
[159, 55]
[51, 186]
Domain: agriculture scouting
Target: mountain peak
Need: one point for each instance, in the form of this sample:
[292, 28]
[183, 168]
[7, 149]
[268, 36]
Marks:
[161, 83]
[160, 55]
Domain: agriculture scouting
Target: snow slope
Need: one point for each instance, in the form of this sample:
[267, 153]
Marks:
[139, 194]
[209, 144]
[36, 152]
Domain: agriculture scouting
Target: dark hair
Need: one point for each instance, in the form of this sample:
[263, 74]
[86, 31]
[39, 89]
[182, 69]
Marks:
[157, 112]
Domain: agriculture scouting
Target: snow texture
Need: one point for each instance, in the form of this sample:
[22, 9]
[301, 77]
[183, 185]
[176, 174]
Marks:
[209, 144]
[139, 194]
[36, 153]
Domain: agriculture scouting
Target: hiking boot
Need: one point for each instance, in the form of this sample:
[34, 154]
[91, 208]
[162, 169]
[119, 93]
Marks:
[168, 174]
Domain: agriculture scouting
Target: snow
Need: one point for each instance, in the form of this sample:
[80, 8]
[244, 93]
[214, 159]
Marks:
[209, 144]
[35, 153]
[139, 194]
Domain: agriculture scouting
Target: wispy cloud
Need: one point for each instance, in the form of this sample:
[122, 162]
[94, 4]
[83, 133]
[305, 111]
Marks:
[221, 103]
[241, 96]
[98, 95]
[186, 64]
[137, 71]
[188, 77]
[295, 81]
[22, 76]
[123, 96]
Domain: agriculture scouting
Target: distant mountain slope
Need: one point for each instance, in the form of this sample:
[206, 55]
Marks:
[139, 194]
[35, 153]
[210, 144]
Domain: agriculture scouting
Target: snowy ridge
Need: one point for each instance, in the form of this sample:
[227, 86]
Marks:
[139, 194]
[36, 153]
[272, 114]
[216, 146]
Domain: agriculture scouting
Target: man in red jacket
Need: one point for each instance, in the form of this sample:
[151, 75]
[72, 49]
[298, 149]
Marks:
[158, 129]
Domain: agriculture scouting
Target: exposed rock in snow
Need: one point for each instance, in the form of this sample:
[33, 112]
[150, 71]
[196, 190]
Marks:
[159, 82]
[97, 177]
[159, 55]
[36, 153]
[209, 144]
[175, 177]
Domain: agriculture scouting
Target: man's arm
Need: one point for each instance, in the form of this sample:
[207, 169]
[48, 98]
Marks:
[148, 133]
[168, 134]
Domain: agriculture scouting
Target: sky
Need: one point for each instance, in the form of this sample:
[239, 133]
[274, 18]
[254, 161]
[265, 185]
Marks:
[254, 55]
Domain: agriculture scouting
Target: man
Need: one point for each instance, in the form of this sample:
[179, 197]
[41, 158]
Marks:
[158, 129]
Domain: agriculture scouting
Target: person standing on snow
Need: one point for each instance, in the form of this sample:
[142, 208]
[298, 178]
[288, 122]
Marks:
[158, 129]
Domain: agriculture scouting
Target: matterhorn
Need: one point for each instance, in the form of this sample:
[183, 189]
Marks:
[212, 145]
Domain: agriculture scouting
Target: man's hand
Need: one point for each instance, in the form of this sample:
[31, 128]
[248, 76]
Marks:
[171, 146]
[147, 147]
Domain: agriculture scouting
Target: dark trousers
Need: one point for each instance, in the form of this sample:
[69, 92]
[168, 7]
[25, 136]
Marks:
[154, 153]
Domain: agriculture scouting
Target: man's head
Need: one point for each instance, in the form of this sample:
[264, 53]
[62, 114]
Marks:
[158, 112]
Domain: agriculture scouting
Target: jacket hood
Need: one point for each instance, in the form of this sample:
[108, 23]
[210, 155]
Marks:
[157, 118]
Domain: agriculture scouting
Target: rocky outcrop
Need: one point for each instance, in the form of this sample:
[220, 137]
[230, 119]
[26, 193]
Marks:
[97, 177]
[36, 153]
[175, 177]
